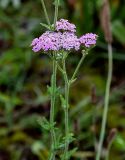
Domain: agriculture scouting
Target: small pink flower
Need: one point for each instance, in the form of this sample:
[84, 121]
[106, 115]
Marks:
[64, 25]
[88, 40]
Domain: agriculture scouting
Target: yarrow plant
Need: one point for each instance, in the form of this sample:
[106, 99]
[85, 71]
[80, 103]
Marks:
[63, 38]
[58, 42]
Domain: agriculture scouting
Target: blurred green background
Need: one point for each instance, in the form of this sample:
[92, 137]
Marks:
[24, 76]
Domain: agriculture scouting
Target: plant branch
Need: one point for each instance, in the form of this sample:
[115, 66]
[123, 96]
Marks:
[60, 68]
[66, 111]
[56, 12]
[52, 110]
[78, 66]
[45, 12]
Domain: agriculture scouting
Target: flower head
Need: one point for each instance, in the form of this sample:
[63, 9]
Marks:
[46, 42]
[34, 42]
[69, 41]
[64, 25]
[55, 41]
[63, 38]
[88, 40]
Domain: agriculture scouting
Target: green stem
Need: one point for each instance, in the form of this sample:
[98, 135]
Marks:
[53, 95]
[66, 111]
[56, 12]
[106, 102]
[45, 12]
[78, 66]
[52, 110]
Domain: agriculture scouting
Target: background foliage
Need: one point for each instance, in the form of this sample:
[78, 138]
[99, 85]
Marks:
[24, 76]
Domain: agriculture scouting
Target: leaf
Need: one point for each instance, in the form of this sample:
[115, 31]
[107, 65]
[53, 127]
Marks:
[44, 123]
[57, 91]
[49, 90]
[70, 137]
[46, 26]
[59, 143]
[63, 101]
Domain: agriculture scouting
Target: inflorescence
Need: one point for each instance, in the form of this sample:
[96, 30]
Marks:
[63, 38]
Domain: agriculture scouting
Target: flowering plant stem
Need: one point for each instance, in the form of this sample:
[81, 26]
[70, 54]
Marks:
[52, 109]
[53, 84]
[66, 108]
[56, 12]
[45, 12]
[78, 66]
[106, 102]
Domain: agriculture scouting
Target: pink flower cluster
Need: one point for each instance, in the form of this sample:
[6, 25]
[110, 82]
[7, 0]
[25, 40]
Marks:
[63, 38]
[88, 39]
[64, 25]
[55, 41]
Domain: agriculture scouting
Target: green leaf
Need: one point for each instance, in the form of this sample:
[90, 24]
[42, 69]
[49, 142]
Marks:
[44, 123]
[63, 101]
[69, 138]
[49, 89]
[57, 92]
[46, 26]
[59, 143]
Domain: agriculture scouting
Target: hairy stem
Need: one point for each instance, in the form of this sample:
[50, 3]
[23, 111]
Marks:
[45, 12]
[52, 110]
[66, 111]
[78, 66]
[106, 102]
